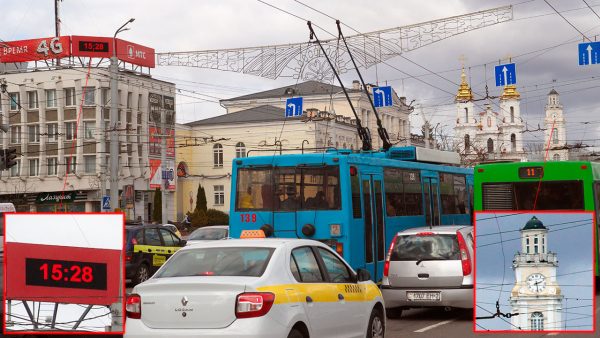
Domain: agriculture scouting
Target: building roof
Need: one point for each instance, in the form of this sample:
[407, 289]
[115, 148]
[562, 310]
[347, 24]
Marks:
[264, 113]
[534, 224]
[301, 89]
[553, 92]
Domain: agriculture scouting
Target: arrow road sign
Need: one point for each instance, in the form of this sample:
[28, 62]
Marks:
[589, 53]
[293, 106]
[382, 96]
[106, 202]
[506, 74]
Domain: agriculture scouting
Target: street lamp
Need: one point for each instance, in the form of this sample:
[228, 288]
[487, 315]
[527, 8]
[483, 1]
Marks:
[116, 308]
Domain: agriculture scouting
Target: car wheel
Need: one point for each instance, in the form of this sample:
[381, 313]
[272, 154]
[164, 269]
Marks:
[141, 274]
[295, 334]
[393, 313]
[376, 327]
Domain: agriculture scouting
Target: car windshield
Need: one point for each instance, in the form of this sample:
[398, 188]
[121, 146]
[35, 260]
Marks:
[229, 261]
[425, 246]
[208, 234]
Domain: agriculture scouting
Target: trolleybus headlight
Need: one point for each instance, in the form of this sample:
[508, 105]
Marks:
[267, 229]
[308, 230]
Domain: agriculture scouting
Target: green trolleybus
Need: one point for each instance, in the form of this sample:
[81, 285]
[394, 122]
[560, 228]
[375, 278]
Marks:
[563, 185]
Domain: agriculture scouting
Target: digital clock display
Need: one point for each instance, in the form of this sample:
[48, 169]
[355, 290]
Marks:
[93, 46]
[65, 274]
[531, 172]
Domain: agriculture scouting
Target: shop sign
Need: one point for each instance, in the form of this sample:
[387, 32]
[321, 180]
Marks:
[55, 197]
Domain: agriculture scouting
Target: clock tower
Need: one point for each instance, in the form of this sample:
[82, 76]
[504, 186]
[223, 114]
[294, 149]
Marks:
[536, 295]
[555, 118]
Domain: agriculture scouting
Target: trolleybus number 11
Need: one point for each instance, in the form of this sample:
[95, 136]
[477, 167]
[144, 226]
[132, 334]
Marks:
[248, 218]
[531, 172]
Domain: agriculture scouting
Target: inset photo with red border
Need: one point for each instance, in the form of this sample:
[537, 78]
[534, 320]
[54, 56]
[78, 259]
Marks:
[63, 273]
[535, 271]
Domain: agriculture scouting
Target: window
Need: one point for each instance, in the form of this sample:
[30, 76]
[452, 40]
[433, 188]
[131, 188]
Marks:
[402, 192]
[15, 101]
[52, 132]
[34, 133]
[168, 238]
[490, 146]
[89, 129]
[336, 269]
[556, 157]
[219, 194]
[32, 99]
[537, 321]
[535, 245]
[355, 188]
[89, 98]
[34, 167]
[555, 136]
[218, 155]
[71, 165]
[527, 243]
[16, 169]
[89, 164]
[152, 236]
[489, 122]
[467, 142]
[240, 150]
[104, 95]
[69, 96]
[15, 134]
[453, 193]
[306, 265]
[69, 130]
[512, 114]
[50, 98]
[139, 107]
[553, 195]
[52, 166]
[129, 98]
[432, 247]
[466, 115]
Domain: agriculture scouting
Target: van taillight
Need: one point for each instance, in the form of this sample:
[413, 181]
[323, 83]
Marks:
[133, 306]
[464, 254]
[339, 248]
[386, 265]
[253, 304]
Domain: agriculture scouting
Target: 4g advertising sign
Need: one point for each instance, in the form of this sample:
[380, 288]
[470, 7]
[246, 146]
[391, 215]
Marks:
[35, 49]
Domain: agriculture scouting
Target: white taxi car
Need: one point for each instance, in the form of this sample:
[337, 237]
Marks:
[256, 288]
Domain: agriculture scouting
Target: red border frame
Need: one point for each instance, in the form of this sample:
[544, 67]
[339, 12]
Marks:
[79, 333]
[516, 212]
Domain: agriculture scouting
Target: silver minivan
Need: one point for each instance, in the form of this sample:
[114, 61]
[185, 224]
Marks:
[429, 267]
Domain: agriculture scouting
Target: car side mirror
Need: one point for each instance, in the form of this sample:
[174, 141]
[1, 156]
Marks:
[182, 242]
[363, 275]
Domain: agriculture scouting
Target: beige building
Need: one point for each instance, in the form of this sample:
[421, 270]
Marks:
[42, 109]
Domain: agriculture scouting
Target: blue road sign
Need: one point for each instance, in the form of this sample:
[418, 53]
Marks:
[506, 74]
[106, 202]
[293, 106]
[382, 96]
[589, 53]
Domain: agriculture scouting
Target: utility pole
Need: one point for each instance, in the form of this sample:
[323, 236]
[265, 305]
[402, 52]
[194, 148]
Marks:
[163, 164]
[116, 309]
[57, 23]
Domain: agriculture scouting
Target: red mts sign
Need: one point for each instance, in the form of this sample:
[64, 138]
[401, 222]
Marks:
[35, 49]
[137, 54]
[62, 274]
[91, 46]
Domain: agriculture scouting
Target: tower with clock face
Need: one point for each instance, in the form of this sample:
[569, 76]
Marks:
[536, 295]
[556, 131]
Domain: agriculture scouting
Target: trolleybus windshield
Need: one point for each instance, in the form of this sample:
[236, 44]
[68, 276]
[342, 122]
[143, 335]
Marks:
[288, 188]
[552, 195]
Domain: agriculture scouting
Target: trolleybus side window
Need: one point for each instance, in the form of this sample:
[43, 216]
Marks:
[403, 192]
[597, 200]
[254, 189]
[453, 193]
[355, 187]
[368, 225]
[552, 195]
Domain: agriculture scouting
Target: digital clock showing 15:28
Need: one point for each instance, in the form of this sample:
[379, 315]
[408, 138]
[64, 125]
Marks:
[65, 274]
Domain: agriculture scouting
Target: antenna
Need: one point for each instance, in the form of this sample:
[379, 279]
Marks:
[383, 134]
[363, 132]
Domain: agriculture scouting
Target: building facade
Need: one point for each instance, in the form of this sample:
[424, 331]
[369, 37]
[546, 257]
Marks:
[58, 121]
[536, 295]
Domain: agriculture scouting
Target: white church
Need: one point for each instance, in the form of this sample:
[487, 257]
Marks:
[482, 133]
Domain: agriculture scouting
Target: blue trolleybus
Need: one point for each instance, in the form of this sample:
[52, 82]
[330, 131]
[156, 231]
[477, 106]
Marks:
[354, 202]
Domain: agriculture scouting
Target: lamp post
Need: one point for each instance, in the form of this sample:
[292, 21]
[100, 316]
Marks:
[116, 308]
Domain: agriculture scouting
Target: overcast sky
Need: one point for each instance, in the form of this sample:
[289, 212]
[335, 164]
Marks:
[569, 237]
[185, 25]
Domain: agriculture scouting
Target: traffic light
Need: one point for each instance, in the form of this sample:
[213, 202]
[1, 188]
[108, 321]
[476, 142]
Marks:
[9, 158]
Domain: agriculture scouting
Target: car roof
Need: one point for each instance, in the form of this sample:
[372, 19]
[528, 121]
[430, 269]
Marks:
[438, 229]
[252, 242]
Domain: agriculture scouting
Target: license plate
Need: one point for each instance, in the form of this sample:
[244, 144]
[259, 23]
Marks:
[424, 296]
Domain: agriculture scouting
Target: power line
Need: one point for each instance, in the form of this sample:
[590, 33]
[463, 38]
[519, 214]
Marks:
[569, 22]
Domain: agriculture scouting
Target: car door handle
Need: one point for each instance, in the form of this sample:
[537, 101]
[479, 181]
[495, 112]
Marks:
[169, 251]
[423, 275]
[309, 299]
[149, 250]
[340, 296]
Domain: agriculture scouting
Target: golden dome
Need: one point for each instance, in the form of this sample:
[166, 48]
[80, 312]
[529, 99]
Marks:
[510, 92]
[464, 91]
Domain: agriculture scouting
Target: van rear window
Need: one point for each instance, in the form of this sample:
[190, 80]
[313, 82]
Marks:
[425, 247]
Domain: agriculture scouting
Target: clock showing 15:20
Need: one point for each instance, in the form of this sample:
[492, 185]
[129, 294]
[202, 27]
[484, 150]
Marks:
[65, 274]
